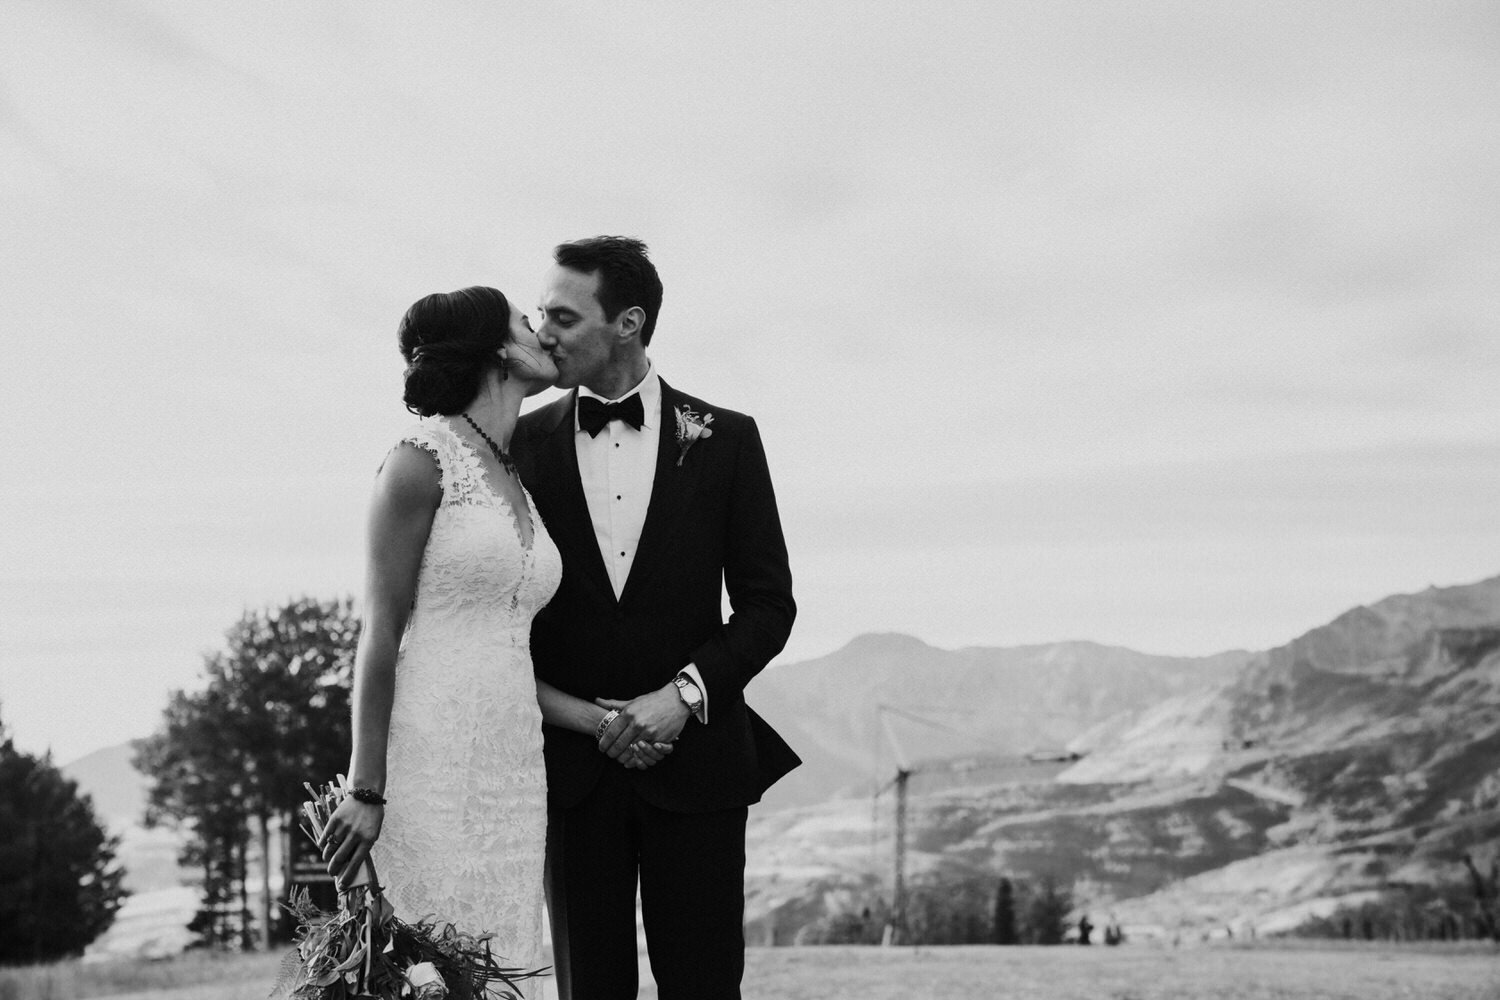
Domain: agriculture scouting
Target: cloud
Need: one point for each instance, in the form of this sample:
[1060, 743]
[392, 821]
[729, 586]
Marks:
[1439, 491]
[1168, 323]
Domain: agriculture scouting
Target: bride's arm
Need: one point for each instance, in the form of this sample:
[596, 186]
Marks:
[567, 712]
[407, 492]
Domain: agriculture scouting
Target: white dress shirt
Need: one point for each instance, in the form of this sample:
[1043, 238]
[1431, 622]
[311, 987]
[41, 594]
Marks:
[618, 470]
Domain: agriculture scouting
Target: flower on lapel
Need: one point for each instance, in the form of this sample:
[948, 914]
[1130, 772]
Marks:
[690, 427]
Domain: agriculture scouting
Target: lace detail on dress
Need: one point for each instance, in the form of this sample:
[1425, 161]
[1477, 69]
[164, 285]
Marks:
[461, 470]
[465, 830]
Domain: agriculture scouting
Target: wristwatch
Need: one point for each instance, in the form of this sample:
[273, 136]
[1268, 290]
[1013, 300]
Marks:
[691, 696]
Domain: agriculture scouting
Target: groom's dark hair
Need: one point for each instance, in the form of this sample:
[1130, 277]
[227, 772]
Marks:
[626, 275]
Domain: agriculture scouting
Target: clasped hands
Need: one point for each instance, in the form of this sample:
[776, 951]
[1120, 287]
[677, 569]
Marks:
[645, 729]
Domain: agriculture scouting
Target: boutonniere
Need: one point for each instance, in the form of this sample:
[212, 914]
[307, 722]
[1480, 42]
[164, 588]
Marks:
[690, 427]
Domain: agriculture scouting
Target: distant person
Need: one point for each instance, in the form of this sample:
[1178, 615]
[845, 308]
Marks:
[449, 785]
[1085, 929]
[660, 502]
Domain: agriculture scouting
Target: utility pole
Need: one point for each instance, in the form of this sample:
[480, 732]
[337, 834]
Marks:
[898, 904]
[896, 933]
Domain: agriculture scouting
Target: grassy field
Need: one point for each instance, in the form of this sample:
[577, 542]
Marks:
[1374, 972]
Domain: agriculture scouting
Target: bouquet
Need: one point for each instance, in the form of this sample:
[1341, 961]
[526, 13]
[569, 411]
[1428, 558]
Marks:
[365, 952]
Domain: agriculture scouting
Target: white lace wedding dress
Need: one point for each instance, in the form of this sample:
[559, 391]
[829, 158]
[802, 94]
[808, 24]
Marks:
[465, 827]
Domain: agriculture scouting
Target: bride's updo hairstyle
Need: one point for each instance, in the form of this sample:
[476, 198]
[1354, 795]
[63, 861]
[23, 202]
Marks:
[450, 340]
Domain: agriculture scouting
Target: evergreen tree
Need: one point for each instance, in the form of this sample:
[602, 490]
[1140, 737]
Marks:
[199, 781]
[1047, 916]
[950, 907]
[1005, 914]
[232, 758]
[59, 885]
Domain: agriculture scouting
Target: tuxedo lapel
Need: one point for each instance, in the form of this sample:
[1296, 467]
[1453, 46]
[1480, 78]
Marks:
[671, 492]
[564, 507]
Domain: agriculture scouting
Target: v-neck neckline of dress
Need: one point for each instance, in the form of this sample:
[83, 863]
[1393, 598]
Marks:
[484, 477]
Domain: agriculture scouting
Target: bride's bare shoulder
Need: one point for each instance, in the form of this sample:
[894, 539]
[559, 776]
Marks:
[410, 475]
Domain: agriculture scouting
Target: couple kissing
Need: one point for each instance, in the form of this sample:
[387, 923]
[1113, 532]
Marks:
[548, 699]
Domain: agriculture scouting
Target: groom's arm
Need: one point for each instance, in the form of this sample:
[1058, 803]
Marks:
[757, 576]
[759, 581]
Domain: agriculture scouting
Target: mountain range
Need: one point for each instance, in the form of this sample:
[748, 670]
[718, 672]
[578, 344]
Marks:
[1249, 789]
[849, 714]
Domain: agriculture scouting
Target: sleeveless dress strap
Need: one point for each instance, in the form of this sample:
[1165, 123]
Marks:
[458, 466]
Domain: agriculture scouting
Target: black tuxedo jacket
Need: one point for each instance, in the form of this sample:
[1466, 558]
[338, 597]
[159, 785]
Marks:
[712, 523]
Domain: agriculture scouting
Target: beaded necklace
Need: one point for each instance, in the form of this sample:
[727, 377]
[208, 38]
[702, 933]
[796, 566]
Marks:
[501, 455]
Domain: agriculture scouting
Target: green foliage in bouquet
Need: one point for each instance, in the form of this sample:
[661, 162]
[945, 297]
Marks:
[365, 952]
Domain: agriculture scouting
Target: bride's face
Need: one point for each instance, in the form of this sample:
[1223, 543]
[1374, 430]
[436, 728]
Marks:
[529, 362]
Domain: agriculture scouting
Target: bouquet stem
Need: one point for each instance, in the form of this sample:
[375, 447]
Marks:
[364, 951]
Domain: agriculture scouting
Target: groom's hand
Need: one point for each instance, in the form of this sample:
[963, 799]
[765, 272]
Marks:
[657, 717]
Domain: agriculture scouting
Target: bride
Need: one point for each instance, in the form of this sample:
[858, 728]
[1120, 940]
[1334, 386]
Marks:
[446, 765]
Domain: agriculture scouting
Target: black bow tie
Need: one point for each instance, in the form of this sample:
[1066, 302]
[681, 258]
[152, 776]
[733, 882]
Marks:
[594, 414]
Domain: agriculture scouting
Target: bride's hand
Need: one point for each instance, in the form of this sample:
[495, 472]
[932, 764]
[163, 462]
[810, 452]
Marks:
[655, 718]
[641, 754]
[636, 755]
[351, 831]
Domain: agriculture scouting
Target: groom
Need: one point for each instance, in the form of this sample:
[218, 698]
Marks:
[656, 500]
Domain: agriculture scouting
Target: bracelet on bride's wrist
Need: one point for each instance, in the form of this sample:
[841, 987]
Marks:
[368, 796]
[605, 723]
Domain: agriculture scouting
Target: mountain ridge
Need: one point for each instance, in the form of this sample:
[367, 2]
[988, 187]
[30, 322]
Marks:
[1067, 688]
[1353, 762]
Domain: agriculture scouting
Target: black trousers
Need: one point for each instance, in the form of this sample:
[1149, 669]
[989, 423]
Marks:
[691, 871]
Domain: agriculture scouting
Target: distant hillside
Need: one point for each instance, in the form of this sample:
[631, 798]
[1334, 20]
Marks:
[987, 700]
[118, 790]
[1370, 660]
[1359, 759]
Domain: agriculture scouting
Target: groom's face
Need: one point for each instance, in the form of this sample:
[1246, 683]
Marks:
[573, 329]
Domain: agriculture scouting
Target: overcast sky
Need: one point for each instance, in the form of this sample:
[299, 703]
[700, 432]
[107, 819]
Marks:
[1168, 325]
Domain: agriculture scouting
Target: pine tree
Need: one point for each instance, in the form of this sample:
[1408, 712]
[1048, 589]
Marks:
[199, 781]
[1005, 914]
[59, 885]
[1047, 917]
[231, 759]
